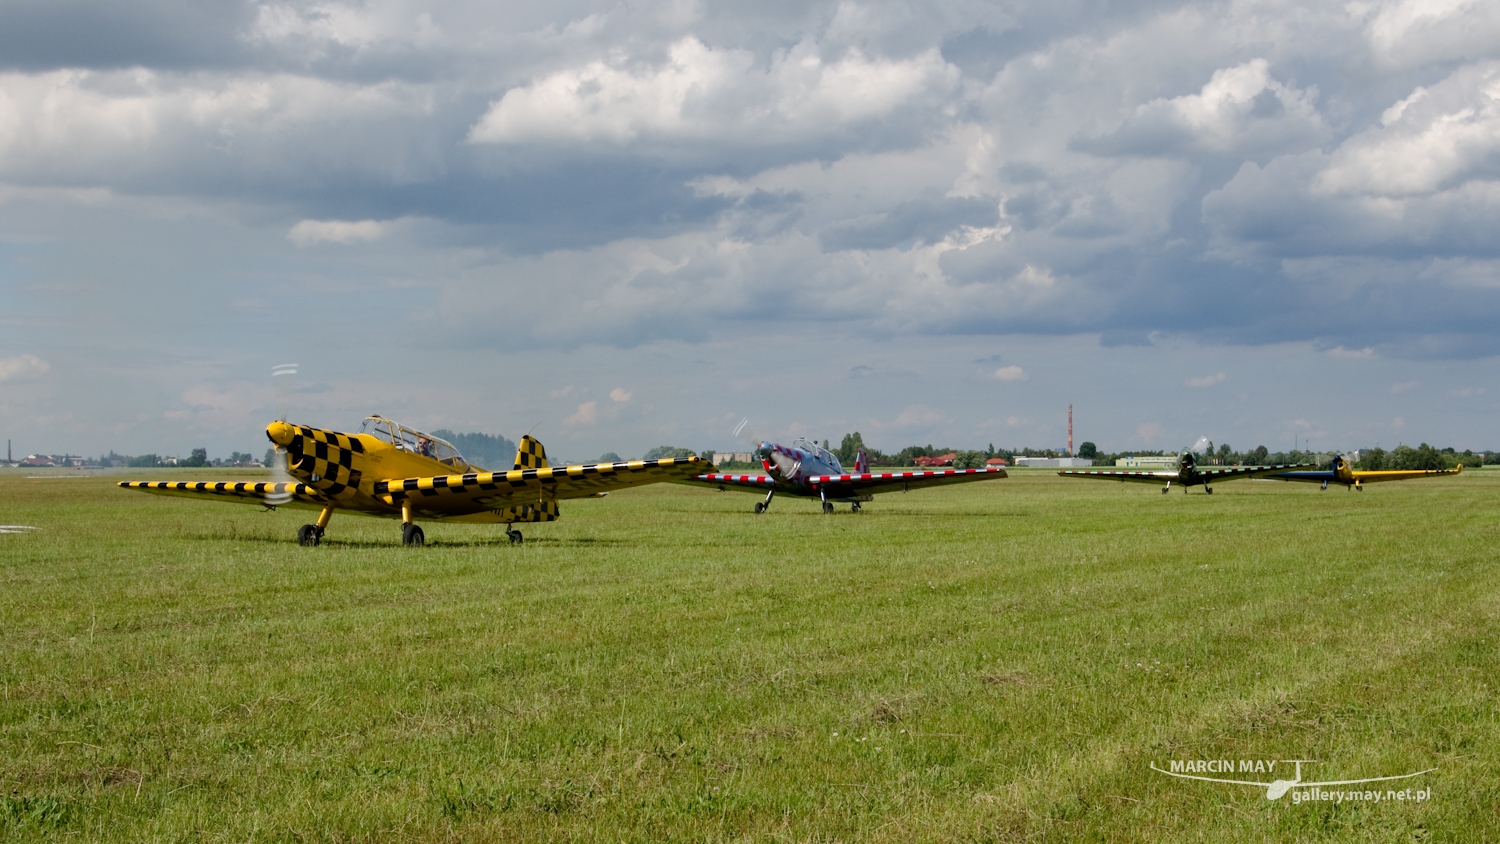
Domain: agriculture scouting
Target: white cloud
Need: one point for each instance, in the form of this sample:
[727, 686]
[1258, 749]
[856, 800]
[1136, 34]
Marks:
[309, 232]
[560, 392]
[587, 414]
[1010, 373]
[23, 368]
[1397, 389]
[347, 25]
[620, 395]
[918, 416]
[1241, 109]
[1350, 354]
[1409, 33]
[122, 126]
[1206, 380]
[702, 92]
[1433, 140]
[1398, 422]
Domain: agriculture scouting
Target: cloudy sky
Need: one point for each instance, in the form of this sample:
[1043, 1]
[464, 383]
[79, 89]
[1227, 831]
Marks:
[633, 224]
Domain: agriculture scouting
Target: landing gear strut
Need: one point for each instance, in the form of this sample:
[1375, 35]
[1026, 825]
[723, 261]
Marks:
[1167, 488]
[763, 506]
[410, 533]
[313, 534]
[1208, 489]
[515, 535]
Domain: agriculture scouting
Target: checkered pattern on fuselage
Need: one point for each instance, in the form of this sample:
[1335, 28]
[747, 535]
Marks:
[324, 460]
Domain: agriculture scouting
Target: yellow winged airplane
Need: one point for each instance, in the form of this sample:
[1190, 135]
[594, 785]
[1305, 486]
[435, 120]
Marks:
[390, 470]
[1342, 473]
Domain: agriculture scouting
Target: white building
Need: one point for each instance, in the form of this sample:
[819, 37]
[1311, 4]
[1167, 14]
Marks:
[1053, 462]
[1165, 461]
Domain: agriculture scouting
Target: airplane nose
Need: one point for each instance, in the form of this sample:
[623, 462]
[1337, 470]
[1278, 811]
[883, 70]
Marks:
[279, 433]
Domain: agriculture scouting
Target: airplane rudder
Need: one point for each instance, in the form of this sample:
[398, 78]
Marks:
[530, 454]
[861, 462]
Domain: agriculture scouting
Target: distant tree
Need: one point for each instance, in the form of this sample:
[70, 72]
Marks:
[609, 457]
[199, 457]
[1372, 459]
[667, 451]
[1224, 453]
[849, 448]
[270, 459]
[143, 461]
[1088, 451]
[487, 450]
[969, 460]
[1260, 454]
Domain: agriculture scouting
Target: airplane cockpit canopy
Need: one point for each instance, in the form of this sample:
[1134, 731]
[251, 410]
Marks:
[818, 452]
[410, 439]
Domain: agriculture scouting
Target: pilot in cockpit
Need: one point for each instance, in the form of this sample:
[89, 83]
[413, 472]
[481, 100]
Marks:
[424, 447]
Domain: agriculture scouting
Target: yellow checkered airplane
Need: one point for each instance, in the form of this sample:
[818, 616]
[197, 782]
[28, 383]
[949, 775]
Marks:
[1341, 473]
[391, 470]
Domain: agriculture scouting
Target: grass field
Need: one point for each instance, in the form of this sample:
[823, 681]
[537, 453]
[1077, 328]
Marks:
[994, 662]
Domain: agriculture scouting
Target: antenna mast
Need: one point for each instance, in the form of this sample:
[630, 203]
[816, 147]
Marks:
[1070, 430]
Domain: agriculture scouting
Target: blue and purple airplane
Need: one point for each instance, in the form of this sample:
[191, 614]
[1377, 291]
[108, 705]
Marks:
[808, 470]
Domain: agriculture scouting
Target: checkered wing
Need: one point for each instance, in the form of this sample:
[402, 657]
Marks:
[534, 487]
[242, 492]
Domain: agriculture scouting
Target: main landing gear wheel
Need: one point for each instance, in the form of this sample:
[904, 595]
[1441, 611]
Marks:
[828, 506]
[759, 508]
[854, 508]
[309, 535]
[412, 535]
[515, 536]
[1209, 490]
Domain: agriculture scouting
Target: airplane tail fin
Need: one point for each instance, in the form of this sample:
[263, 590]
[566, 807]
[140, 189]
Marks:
[861, 463]
[530, 454]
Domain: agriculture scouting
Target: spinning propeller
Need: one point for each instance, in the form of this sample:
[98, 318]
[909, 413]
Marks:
[782, 464]
[283, 379]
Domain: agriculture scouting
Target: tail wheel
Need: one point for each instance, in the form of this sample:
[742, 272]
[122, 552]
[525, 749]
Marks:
[412, 535]
[515, 536]
[308, 535]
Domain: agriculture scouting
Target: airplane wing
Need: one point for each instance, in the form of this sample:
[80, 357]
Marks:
[740, 483]
[1117, 475]
[242, 492]
[1402, 474]
[1325, 476]
[1209, 474]
[1229, 473]
[871, 483]
[457, 493]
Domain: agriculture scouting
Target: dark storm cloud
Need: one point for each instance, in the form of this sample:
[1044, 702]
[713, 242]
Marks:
[40, 35]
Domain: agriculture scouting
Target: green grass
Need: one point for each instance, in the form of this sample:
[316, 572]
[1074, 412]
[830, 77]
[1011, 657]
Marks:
[994, 662]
